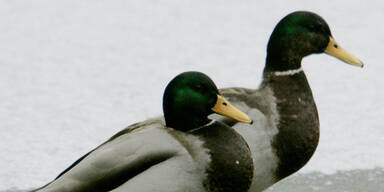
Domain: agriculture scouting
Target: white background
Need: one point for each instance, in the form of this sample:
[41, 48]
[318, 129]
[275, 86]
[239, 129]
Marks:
[75, 72]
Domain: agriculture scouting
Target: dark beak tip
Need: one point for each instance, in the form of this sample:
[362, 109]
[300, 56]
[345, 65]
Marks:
[251, 122]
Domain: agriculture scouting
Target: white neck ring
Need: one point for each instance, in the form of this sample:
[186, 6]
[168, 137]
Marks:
[288, 72]
[208, 124]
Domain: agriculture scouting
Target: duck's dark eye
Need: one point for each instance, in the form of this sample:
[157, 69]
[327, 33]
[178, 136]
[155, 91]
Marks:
[312, 27]
[335, 46]
[197, 87]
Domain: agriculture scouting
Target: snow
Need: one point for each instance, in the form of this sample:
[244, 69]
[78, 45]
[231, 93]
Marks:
[73, 73]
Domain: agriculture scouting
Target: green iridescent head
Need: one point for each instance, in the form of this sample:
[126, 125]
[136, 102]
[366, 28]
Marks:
[300, 34]
[190, 97]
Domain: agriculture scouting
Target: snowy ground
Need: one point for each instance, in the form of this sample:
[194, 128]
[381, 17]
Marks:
[73, 73]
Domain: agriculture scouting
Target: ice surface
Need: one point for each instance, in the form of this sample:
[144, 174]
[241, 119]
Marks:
[73, 73]
[371, 180]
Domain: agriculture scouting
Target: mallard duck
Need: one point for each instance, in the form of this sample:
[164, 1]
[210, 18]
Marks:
[286, 129]
[190, 153]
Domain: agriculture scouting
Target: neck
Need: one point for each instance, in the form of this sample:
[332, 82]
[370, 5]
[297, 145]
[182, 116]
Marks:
[185, 122]
[205, 125]
[282, 60]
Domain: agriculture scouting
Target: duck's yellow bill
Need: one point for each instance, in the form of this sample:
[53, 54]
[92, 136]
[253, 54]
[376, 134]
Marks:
[335, 50]
[223, 107]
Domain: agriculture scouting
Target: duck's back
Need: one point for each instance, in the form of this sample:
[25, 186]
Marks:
[142, 158]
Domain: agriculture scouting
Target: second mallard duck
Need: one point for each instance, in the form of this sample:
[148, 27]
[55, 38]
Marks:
[286, 129]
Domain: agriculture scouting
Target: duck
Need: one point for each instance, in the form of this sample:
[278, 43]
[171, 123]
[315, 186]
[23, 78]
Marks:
[190, 152]
[286, 131]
